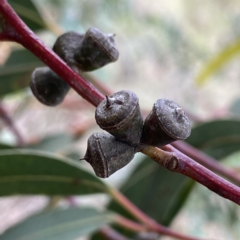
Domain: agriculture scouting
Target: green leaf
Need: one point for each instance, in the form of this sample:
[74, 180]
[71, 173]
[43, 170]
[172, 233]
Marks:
[217, 138]
[32, 172]
[59, 224]
[219, 61]
[5, 146]
[15, 74]
[156, 191]
[28, 13]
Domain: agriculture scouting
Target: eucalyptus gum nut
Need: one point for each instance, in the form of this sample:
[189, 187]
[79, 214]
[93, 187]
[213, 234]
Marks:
[97, 49]
[166, 123]
[48, 87]
[66, 45]
[107, 155]
[119, 114]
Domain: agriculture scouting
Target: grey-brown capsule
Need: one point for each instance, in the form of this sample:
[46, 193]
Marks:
[120, 115]
[97, 49]
[107, 155]
[66, 45]
[48, 87]
[166, 123]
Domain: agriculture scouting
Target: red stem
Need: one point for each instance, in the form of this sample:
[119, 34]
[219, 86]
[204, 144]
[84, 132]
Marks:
[207, 161]
[31, 42]
[192, 169]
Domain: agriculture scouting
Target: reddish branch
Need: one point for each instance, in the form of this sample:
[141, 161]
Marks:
[176, 161]
[207, 161]
[185, 165]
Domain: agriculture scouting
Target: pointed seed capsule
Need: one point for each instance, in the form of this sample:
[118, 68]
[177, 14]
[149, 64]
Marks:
[97, 49]
[107, 155]
[120, 115]
[166, 123]
[48, 87]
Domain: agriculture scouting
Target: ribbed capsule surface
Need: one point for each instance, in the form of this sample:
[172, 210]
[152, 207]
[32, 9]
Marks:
[48, 87]
[166, 123]
[97, 49]
[120, 115]
[107, 155]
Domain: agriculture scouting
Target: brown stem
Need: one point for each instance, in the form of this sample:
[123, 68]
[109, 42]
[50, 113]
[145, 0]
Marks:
[176, 161]
[8, 121]
[142, 217]
[130, 225]
[207, 161]
[24, 36]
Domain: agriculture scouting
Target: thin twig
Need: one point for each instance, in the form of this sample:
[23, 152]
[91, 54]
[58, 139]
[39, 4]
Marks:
[142, 217]
[176, 161]
[130, 225]
[9, 122]
[207, 161]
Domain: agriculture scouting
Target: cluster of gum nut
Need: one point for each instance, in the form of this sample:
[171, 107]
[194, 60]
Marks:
[118, 114]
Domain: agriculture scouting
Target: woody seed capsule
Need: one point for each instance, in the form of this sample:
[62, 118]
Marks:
[107, 155]
[66, 45]
[97, 49]
[120, 115]
[48, 87]
[166, 123]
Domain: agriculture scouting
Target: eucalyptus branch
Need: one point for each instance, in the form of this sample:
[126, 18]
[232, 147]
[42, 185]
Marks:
[129, 224]
[149, 223]
[207, 161]
[174, 160]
